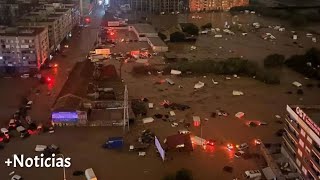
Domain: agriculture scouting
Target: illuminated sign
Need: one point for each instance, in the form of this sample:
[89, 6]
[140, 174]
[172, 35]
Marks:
[308, 120]
[159, 147]
[64, 117]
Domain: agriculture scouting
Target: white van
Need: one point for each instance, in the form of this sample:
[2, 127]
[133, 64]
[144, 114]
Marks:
[252, 174]
[90, 174]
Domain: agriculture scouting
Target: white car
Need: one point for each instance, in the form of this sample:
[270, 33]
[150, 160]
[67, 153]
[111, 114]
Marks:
[40, 148]
[16, 177]
[25, 76]
[252, 174]
[184, 132]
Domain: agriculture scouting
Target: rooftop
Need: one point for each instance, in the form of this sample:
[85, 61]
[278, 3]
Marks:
[20, 31]
[156, 41]
[312, 111]
[144, 28]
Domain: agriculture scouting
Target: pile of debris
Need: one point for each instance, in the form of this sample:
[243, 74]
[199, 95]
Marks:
[146, 137]
[176, 106]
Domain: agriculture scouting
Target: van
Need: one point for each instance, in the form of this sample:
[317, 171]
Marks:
[252, 174]
[90, 174]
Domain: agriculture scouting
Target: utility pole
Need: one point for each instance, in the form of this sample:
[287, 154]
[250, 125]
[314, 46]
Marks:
[125, 110]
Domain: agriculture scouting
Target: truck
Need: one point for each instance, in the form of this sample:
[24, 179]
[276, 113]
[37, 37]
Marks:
[90, 174]
[114, 143]
[198, 140]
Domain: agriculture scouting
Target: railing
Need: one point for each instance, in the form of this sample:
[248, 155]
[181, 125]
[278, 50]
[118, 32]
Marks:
[292, 123]
[292, 135]
[289, 144]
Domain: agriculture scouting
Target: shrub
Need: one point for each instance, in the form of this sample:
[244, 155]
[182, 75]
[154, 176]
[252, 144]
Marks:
[169, 177]
[298, 20]
[162, 36]
[190, 28]
[138, 107]
[274, 60]
[184, 174]
[268, 77]
[177, 37]
[144, 70]
[206, 26]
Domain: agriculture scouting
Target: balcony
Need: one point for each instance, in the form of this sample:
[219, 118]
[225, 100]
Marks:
[292, 124]
[313, 173]
[316, 150]
[289, 151]
[314, 161]
[289, 143]
[291, 134]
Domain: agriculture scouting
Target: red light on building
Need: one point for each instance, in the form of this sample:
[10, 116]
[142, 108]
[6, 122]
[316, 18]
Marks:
[87, 19]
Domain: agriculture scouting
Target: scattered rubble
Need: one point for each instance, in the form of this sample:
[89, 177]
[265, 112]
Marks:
[237, 93]
[198, 85]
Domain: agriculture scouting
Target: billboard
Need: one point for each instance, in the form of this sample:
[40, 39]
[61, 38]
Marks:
[103, 51]
[64, 116]
[159, 148]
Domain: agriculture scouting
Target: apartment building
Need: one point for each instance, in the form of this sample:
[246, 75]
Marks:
[23, 48]
[74, 8]
[158, 6]
[58, 21]
[210, 5]
[301, 142]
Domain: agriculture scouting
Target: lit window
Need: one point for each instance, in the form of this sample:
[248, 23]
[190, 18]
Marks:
[304, 170]
[1, 57]
[307, 150]
[309, 139]
[301, 143]
[303, 133]
[299, 152]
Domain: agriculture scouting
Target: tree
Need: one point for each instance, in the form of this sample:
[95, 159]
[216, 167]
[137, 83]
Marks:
[184, 174]
[162, 36]
[190, 28]
[206, 26]
[274, 60]
[177, 37]
[298, 20]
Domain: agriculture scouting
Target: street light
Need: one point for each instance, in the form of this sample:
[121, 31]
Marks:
[64, 169]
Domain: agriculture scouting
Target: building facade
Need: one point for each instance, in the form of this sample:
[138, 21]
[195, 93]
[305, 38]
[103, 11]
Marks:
[158, 6]
[211, 5]
[301, 142]
[23, 48]
[59, 22]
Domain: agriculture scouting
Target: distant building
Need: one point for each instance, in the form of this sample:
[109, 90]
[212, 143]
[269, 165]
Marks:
[10, 11]
[58, 21]
[210, 5]
[23, 48]
[301, 141]
[158, 6]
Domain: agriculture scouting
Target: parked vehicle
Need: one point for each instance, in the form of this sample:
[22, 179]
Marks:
[89, 173]
[12, 124]
[114, 143]
[252, 174]
[40, 148]
[16, 177]
[5, 132]
[238, 154]
[243, 146]
[23, 132]
[183, 131]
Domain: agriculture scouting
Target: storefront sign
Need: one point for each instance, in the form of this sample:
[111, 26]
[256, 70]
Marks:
[308, 120]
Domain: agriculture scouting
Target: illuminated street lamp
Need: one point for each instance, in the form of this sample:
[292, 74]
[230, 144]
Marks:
[64, 169]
